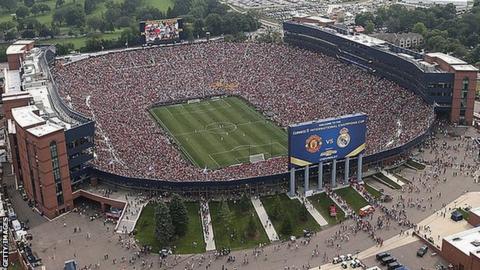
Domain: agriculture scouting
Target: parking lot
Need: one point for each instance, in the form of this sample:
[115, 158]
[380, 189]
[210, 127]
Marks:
[407, 256]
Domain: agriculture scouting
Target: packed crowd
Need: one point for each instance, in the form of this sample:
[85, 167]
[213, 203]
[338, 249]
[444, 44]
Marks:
[288, 85]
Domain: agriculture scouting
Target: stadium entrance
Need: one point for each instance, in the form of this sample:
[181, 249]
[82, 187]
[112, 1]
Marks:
[323, 143]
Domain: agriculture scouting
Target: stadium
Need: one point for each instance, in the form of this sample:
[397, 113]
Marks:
[212, 116]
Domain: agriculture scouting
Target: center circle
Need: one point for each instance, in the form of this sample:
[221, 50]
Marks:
[220, 127]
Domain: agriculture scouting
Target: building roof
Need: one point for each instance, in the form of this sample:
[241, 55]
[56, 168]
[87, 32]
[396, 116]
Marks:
[12, 81]
[15, 49]
[447, 58]
[475, 211]
[467, 241]
[26, 116]
[45, 129]
[464, 68]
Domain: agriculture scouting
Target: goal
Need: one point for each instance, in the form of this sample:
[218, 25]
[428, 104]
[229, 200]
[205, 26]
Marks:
[257, 158]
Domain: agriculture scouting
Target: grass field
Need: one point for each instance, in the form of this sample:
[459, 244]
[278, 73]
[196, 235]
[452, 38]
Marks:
[388, 181]
[290, 209]
[322, 203]
[375, 193]
[465, 213]
[239, 222]
[415, 164]
[217, 133]
[351, 196]
[184, 245]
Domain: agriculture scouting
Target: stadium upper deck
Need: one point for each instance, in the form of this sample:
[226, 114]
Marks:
[441, 80]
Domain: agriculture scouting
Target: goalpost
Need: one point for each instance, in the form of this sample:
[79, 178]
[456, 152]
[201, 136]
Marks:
[257, 158]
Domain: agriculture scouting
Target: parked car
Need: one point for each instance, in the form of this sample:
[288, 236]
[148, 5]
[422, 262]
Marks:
[336, 260]
[387, 260]
[422, 251]
[356, 263]
[394, 266]
[344, 265]
[382, 255]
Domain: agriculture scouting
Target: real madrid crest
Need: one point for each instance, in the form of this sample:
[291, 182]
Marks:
[344, 138]
[313, 143]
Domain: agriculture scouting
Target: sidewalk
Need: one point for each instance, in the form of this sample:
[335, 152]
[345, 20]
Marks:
[267, 224]
[207, 227]
[314, 212]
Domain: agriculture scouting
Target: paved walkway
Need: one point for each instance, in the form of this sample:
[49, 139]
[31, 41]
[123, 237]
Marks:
[264, 219]
[314, 212]
[130, 216]
[207, 227]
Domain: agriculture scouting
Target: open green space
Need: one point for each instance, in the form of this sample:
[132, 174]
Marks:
[375, 193]
[79, 42]
[281, 208]
[231, 227]
[351, 196]
[322, 203]
[191, 242]
[464, 212]
[388, 181]
[220, 132]
[417, 165]
[162, 5]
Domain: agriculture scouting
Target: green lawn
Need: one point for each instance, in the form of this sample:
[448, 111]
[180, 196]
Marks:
[415, 164]
[79, 42]
[239, 222]
[351, 196]
[146, 230]
[322, 203]
[162, 5]
[388, 181]
[465, 213]
[375, 193]
[216, 133]
[290, 209]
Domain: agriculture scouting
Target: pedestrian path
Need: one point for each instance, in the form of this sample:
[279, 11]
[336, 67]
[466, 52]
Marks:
[393, 178]
[207, 227]
[314, 212]
[264, 219]
[131, 214]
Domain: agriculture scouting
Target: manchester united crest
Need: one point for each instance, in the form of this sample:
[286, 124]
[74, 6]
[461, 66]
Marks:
[344, 138]
[313, 143]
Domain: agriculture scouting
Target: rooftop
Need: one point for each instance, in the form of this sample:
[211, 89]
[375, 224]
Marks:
[45, 129]
[12, 81]
[467, 241]
[15, 49]
[26, 116]
[464, 68]
[447, 58]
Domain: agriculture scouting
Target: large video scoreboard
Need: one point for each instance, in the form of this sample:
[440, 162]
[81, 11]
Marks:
[327, 139]
[161, 31]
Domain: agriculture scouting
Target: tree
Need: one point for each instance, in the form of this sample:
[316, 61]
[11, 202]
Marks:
[63, 49]
[59, 3]
[29, 3]
[22, 12]
[244, 203]
[277, 208]
[163, 225]
[363, 18]
[11, 35]
[93, 44]
[286, 226]
[28, 33]
[179, 215]
[198, 25]
[5, 26]
[214, 24]
[96, 23]
[251, 229]
[73, 15]
[226, 216]
[8, 4]
[369, 27]
[89, 6]
[303, 214]
[420, 28]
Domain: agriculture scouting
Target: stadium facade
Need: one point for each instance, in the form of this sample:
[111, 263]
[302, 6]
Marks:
[49, 145]
[443, 81]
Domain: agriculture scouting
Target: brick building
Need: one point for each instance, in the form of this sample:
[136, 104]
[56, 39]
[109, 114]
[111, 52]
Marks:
[48, 144]
[462, 250]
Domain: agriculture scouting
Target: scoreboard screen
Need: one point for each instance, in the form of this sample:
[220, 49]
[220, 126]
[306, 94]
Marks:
[327, 139]
[161, 31]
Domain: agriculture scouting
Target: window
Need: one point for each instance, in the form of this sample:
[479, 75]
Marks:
[57, 178]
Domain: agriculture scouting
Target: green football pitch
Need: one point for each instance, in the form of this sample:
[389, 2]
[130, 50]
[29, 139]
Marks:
[219, 132]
